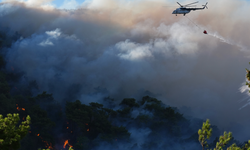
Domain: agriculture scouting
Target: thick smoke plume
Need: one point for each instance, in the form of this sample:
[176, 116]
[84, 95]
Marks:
[135, 48]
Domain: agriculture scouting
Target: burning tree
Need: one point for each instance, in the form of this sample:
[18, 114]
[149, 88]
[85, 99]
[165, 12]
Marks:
[41, 134]
[10, 134]
[90, 123]
[49, 149]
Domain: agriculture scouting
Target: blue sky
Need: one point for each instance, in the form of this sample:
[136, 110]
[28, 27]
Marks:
[61, 3]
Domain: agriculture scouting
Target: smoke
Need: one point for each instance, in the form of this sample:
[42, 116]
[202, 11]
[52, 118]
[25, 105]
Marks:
[131, 48]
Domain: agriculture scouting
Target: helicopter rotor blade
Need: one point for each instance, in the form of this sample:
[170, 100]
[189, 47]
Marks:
[192, 6]
[192, 3]
[168, 6]
[179, 4]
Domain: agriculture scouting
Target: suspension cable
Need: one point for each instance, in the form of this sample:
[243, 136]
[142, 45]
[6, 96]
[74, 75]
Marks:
[193, 22]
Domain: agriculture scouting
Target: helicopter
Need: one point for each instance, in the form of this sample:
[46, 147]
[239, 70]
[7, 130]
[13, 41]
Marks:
[184, 10]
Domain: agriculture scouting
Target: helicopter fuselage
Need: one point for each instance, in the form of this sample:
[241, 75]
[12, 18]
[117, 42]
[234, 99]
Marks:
[181, 11]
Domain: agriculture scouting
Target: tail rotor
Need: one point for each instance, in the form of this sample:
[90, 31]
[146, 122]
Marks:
[205, 6]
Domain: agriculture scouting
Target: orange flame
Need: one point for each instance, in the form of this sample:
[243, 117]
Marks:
[67, 142]
[86, 124]
[18, 108]
[87, 129]
[23, 118]
[49, 146]
[29, 131]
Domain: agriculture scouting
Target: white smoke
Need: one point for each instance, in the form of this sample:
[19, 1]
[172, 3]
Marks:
[125, 48]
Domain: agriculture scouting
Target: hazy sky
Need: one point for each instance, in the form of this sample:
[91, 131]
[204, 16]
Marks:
[133, 48]
[66, 4]
[71, 4]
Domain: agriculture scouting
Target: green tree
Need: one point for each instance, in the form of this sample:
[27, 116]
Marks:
[129, 102]
[204, 134]
[223, 140]
[10, 134]
[248, 78]
[149, 100]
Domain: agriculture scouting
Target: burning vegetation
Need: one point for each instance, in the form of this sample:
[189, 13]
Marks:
[87, 126]
[18, 108]
[67, 143]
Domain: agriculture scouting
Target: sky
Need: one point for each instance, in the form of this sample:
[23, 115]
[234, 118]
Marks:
[136, 48]
[63, 4]
[72, 4]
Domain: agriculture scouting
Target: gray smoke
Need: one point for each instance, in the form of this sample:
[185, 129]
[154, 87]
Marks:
[128, 49]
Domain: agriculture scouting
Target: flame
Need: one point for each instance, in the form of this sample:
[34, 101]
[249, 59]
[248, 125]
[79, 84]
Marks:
[67, 127]
[18, 108]
[49, 146]
[71, 131]
[29, 131]
[87, 129]
[67, 142]
[86, 124]
[23, 118]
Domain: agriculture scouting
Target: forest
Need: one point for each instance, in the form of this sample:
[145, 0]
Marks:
[30, 122]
